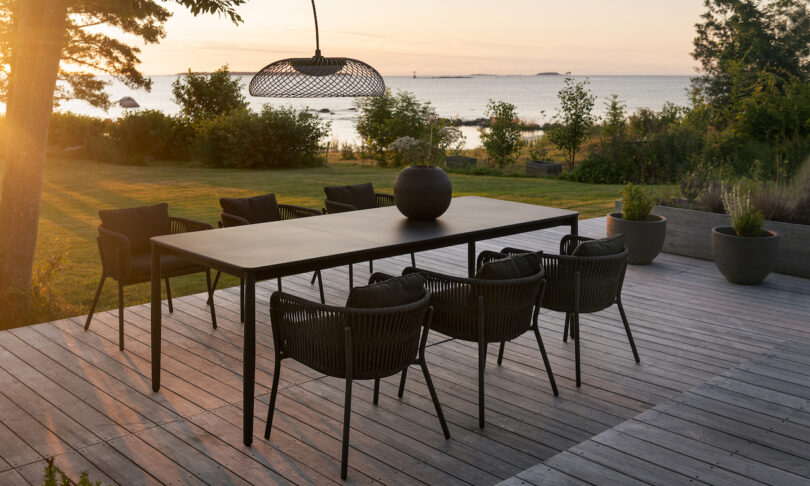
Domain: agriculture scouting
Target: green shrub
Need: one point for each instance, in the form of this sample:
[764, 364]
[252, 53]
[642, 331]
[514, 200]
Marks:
[636, 204]
[204, 96]
[151, 133]
[274, 138]
[502, 139]
[383, 119]
[82, 136]
[347, 151]
[409, 151]
[745, 218]
[55, 477]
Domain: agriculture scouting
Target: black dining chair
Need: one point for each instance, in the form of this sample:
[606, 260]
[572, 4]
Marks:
[382, 331]
[126, 253]
[340, 199]
[586, 277]
[500, 304]
[260, 209]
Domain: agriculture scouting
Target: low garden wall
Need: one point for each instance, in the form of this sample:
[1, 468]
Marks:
[689, 234]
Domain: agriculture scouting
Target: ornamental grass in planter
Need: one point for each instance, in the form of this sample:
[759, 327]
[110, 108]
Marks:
[643, 232]
[744, 253]
[422, 191]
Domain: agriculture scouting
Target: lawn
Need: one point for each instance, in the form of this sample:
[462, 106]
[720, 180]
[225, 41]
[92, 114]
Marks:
[74, 191]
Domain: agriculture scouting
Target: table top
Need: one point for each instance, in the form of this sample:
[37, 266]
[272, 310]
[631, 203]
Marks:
[357, 233]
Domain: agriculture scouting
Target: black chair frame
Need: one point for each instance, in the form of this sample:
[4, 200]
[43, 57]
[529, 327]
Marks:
[330, 340]
[578, 285]
[114, 249]
[512, 310]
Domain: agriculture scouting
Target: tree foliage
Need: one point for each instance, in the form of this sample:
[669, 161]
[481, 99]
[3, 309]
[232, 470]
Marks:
[99, 38]
[574, 119]
[502, 139]
[381, 120]
[739, 40]
[203, 96]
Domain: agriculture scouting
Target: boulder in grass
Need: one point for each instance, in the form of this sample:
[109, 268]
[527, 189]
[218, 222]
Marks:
[128, 102]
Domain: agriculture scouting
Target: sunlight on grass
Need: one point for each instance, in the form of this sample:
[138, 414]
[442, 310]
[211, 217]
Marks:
[74, 191]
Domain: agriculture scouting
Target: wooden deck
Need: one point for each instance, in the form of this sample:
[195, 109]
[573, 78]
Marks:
[720, 397]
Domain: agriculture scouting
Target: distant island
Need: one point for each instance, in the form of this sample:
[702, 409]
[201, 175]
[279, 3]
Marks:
[550, 73]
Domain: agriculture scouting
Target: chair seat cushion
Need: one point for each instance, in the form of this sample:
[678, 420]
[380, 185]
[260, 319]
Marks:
[512, 267]
[257, 209]
[601, 247]
[360, 196]
[390, 293]
[138, 224]
[141, 266]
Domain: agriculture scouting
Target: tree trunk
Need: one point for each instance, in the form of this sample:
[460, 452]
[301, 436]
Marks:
[36, 50]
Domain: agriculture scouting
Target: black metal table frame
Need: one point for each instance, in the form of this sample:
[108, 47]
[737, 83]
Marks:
[287, 269]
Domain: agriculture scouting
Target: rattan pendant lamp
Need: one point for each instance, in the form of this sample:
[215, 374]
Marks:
[317, 76]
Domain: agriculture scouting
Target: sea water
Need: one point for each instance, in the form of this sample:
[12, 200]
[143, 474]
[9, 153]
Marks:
[464, 97]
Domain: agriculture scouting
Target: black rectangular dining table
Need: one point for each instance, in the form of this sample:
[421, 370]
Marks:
[283, 248]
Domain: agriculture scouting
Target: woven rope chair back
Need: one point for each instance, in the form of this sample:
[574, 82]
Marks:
[508, 306]
[600, 278]
[384, 341]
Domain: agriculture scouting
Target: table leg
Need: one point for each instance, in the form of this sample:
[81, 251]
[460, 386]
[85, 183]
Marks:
[249, 358]
[575, 226]
[471, 259]
[156, 316]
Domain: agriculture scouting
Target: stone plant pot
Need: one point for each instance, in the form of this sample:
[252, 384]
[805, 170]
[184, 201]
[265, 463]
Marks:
[643, 239]
[422, 192]
[744, 260]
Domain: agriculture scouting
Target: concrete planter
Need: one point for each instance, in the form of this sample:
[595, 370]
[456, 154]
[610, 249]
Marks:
[689, 233]
[643, 239]
[744, 260]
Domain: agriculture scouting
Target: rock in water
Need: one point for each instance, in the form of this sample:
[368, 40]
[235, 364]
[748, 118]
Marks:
[128, 102]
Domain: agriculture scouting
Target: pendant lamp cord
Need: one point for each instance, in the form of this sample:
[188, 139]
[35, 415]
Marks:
[317, 39]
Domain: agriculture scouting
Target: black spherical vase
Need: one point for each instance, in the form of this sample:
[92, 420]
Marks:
[422, 192]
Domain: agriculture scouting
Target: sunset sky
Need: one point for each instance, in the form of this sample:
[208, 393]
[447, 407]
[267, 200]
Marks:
[453, 37]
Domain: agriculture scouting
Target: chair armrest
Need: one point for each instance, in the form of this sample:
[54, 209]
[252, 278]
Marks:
[115, 251]
[435, 277]
[183, 225]
[288, 211]
[509, 251]
[379, 277]
[227, 220]
[384, 200]
[337, 207]
[487, 256]
[568, 243]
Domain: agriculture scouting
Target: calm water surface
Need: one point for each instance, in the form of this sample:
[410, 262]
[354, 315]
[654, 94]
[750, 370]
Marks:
[534, 96]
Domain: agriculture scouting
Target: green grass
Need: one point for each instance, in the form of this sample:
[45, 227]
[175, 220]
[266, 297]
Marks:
[74, 191]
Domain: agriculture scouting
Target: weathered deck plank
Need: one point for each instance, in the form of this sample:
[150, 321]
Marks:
[720, 397]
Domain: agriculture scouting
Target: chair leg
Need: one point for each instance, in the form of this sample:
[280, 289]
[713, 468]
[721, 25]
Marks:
[565, 329]
[402, 382]
[314, 276]
[273, 392]
[320, 286]
[242, 300]
[546, 361]
[376, 391]
[434, 397]
[214, 287]
[210, 296]
[627, 329]
[575, 335]
[347, 409]
[169, 295]
[95, 301]
[120, 316]
[482, 361]
[500, 353]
